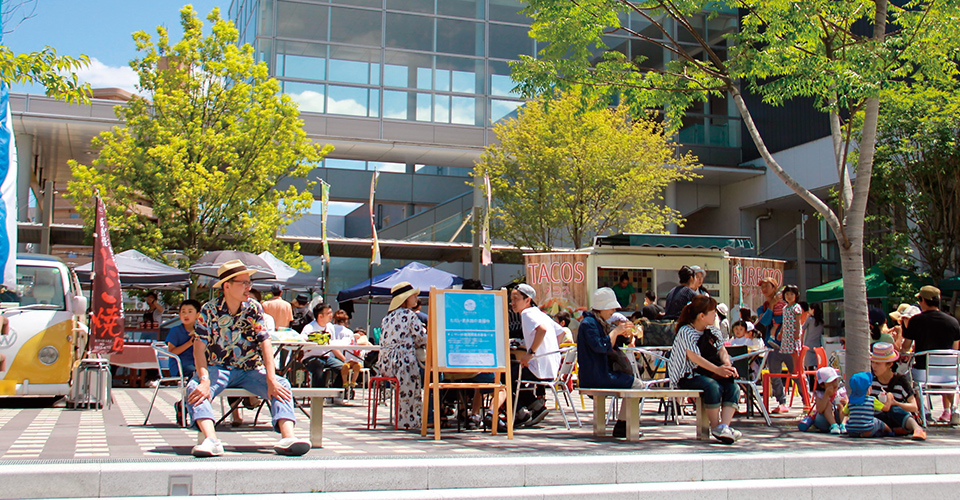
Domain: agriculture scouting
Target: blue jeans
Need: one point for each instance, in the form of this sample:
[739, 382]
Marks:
[713, 392]
[255, 381]
[896, 418]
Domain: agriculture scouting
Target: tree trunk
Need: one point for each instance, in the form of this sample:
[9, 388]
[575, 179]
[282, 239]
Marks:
[857, 325]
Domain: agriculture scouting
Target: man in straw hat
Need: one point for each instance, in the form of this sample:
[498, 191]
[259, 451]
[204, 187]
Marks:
[232, 349]
[930, 330]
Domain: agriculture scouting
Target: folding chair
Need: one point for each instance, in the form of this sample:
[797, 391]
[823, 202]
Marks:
[164, 358]
[941, 376]
[567, 363]
[748, 378]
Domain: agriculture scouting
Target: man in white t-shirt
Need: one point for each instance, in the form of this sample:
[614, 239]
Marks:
[540, 337]
[320, 359]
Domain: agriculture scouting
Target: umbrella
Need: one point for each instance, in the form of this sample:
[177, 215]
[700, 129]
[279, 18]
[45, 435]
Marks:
[211, 262]
[139, 271]
[286, 276]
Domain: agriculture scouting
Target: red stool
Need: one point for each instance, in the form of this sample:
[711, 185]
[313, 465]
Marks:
[373, 400]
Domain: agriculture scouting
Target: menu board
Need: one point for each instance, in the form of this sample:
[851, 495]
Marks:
[471, 333]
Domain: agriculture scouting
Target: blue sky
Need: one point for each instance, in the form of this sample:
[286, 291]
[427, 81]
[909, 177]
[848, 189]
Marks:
[100, 29]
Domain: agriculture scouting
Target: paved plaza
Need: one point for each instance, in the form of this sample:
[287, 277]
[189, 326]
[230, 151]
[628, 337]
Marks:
[32, 435]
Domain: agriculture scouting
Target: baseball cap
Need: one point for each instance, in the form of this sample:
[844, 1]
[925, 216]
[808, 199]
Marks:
[527, 290]
[826, 375]
[697, 270]
[929, 292]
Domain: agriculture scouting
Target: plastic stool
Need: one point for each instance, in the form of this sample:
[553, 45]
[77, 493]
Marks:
[373, 400]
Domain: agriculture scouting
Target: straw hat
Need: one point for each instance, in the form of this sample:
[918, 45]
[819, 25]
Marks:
[232, 269]
[884, 351]
[400, 292]
[896, 315]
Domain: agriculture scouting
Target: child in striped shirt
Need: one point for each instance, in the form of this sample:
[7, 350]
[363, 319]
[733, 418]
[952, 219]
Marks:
[861, 421]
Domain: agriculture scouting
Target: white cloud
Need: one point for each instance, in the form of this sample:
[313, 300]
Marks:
[99, 75]
[308, 100]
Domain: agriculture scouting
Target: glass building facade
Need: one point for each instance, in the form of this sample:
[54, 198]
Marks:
[437, 61]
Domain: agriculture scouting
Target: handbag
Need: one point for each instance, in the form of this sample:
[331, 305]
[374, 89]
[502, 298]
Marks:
[619, 362]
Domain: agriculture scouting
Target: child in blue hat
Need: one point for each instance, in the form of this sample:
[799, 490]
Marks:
[862, 408]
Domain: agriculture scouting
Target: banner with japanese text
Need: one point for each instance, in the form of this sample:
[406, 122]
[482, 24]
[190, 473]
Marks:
[106, 329]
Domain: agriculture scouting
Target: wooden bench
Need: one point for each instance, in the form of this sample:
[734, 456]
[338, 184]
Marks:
[631, 399]
[316, 395]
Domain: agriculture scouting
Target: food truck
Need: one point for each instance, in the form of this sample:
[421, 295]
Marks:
[41, 331]
[567, 280]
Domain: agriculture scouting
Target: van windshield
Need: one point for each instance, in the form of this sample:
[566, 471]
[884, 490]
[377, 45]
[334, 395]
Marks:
[37, 287]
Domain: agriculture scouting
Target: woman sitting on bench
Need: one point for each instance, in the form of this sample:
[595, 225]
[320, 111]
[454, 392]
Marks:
[596, 337]
[699, 361]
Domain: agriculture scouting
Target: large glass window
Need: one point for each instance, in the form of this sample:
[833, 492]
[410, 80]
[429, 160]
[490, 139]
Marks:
[300, 20]
[360, 3]
[423, 6]
[463, 111]
[406, 31]
[382, 166]
[507, 10]
[345, 164]
[395, 104]
[407, 69]
[266, 18]
[459, 74]
[309, 96]
[353, 101]
[459, 37]
[461, 8]
[508, 42]
[301, 60]
[500, 82]
[356, 26]
[500, 109]
[354, 65]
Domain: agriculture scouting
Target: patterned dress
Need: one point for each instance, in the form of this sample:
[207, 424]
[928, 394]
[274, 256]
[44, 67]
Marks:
[402, 332]
[790, 341]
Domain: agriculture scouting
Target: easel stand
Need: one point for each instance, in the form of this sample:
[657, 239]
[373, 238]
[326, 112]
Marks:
[441, 341]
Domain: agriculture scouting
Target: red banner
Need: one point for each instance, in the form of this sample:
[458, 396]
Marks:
[106, 332]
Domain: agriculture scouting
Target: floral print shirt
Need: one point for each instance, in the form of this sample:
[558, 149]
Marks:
[232, 340]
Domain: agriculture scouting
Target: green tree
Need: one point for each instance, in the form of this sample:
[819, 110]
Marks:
[842, 54]
[55, 73]
[198, 162]
[568, 169]
[916, 193]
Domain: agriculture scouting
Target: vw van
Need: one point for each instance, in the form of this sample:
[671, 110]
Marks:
[42, 334]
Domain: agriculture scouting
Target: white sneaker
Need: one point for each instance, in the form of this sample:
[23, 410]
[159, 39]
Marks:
[208, 448]
[736, 434]
[723, 434]
[292, 446]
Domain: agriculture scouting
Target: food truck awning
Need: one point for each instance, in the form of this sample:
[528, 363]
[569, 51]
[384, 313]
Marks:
[673, 241]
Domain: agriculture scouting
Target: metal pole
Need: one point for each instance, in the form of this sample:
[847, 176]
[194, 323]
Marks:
[475, 251]
[801, 261]
[369, 297]
[47, 217]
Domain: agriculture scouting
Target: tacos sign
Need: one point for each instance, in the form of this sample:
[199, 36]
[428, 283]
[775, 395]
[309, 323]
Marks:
[560, 280]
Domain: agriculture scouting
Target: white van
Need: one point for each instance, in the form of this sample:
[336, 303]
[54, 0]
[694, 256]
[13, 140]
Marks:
[43, 330]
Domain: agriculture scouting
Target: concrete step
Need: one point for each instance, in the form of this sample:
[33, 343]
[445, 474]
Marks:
[805, 475]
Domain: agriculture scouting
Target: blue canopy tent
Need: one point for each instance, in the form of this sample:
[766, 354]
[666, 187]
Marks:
[377, 289]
